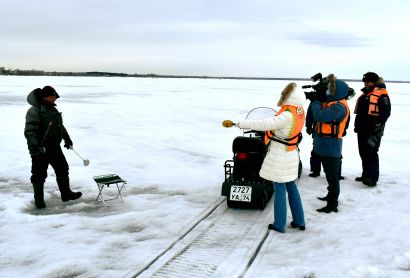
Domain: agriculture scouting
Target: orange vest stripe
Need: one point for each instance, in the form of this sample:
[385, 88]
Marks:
[334, 129]
[297, 125]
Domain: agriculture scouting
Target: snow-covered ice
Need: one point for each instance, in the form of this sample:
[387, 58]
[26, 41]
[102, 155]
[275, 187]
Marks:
[164, 136]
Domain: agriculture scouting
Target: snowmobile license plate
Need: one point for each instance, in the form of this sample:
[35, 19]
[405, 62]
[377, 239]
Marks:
[241, 193]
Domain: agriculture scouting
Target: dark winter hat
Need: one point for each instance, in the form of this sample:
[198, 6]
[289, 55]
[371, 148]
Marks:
[48, 91]
[370, 77]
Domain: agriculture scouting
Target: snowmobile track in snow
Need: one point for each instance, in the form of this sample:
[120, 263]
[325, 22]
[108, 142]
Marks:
[221, 242]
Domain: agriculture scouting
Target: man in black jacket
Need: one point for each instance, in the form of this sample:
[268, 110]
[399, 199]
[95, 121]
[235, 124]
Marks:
[44, 131]
[372, 111]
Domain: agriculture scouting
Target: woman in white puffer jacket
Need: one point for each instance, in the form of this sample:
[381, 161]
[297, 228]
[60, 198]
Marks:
[280, 164]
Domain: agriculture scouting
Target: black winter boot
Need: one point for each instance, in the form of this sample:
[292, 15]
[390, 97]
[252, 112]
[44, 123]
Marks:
[330, 207]
[297, 226]
[271, 227]
[314, 174]
[66, 193]
[39, 195]
[70, 196]
[327, 209]
[369, 182]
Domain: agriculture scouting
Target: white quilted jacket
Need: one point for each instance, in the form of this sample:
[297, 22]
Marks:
[279, 165]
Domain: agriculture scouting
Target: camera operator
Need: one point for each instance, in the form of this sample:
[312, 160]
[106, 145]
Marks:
[372, 111]
[330, 113]
[315, 164]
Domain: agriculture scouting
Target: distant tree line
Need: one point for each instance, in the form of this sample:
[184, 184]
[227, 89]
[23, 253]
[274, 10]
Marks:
[4, 71]
[33, 72]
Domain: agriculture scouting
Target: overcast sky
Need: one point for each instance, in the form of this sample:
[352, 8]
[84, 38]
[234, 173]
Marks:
[263, 38]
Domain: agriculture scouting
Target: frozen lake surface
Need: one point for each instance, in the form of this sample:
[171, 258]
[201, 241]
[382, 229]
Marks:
[164, 136]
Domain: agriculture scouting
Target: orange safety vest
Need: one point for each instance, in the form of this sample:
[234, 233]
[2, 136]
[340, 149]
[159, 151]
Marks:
[333, 128]
[374, 101]
[295, 135]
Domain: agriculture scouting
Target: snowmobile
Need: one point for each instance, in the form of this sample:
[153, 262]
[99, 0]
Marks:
[243, 186]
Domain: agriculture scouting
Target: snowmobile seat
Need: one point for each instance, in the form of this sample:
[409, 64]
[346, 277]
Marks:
[249, 153]
[248, 144]
[104, 182]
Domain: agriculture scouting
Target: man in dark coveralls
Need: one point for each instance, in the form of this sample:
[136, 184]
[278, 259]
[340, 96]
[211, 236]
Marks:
[372, 111]
[44, 131]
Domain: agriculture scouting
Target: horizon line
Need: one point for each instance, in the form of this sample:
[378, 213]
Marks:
[18, 72]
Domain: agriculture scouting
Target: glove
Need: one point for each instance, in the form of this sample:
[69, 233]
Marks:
[68, 144]
[375, 138]
[228, 123]
[378, 130]
[373, 141]
[350, 93]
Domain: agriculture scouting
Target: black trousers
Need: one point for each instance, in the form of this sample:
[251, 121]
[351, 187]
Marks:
[315, 163]
[331, 166]
[369, 155]
[39, 164]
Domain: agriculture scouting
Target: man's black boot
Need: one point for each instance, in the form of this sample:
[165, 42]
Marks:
[369, 182]
[359, 179]
[66, 193]
[314, 174]
[330, 207]
[68, 196]
[327, 209]
[39, 195]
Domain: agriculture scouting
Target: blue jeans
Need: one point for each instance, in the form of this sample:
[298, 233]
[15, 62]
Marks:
[295, 204]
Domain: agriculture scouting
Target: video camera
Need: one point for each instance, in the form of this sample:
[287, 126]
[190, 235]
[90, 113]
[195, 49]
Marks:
[319, 89]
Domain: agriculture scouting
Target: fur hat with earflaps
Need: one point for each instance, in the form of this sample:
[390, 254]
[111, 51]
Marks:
[374, 78]
[46, 92]
[370, 77]
[286, 93]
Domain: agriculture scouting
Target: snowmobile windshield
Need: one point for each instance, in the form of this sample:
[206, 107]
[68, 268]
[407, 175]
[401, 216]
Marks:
[259, 113]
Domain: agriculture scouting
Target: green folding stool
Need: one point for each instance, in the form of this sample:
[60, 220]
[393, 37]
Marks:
[104, 182]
